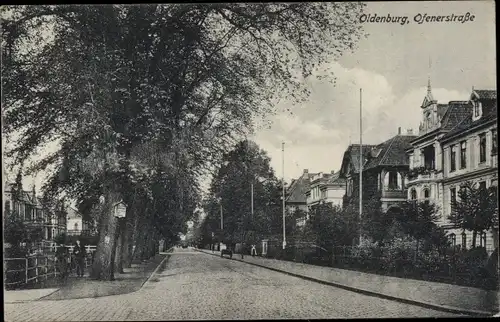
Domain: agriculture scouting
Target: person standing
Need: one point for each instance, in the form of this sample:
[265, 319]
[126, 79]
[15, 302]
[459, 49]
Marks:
[79, 253]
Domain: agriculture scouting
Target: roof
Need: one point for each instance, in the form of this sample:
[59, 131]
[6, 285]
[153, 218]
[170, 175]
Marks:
[352, 155]
[457, 111]
[489, 94]
[391, 152]
[72, 212]
[336, 179]
[298, 188]
[467, 123]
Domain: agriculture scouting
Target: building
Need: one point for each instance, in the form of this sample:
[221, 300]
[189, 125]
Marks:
[470, 154]
[384, 169]
[295, 198]
[325, 188]
[77, 224]
[456, 143]
[34, 212]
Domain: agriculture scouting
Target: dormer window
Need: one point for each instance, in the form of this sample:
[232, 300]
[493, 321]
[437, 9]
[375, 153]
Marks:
[477, 109]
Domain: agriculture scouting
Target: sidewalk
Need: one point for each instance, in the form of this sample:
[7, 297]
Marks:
[77, 288]
[439, 296]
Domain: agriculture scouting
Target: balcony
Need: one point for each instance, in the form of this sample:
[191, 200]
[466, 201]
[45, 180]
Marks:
[394, 193]
[424, 174]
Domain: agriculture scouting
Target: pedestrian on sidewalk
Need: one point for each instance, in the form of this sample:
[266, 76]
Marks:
[79, 252]
[242, 251]
[253, 251]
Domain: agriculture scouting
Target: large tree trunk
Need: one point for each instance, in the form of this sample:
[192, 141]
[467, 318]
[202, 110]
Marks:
[474, 235]
[133, 233]
[103, 266]
[122, 225]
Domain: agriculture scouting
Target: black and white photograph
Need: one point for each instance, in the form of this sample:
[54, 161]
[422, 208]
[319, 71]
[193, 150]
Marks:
[249, 161]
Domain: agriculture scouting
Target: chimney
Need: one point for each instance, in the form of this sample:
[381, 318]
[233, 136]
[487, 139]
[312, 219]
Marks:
[399, 130]
[409, 131]
[332, 172]
[306, 170]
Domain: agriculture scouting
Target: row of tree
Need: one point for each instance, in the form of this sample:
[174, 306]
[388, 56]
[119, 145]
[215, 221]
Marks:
[143, 100]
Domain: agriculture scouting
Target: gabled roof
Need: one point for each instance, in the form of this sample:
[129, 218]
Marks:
[298, 188]
[392, 152]
[351, 157]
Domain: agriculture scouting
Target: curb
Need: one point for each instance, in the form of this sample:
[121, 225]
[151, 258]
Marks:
[426, 305]
[167, 256]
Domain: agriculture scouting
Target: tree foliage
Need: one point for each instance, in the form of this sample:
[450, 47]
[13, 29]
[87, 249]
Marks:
[476, 208]
[144, 99]
[231, 189]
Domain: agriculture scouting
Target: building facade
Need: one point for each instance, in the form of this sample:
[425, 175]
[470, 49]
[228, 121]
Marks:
[295, 198]
[77, 224]
[384, 170]
[470, 154]
[456, 143]
[34, 214]
[325, 188]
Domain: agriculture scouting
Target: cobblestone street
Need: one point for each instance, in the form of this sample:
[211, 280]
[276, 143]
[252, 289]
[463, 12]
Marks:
[195, 285]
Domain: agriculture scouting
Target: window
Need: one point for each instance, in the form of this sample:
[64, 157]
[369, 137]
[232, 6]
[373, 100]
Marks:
[27, 212]
[482, 187]
[413, 194]
[7, 206]
[453, 239]
[453, 157]
[494, 140]
[482, 148]
[393, 180]
[453, 196]
[477, 109]
[76, 226]
[463, 155]
[427, 194]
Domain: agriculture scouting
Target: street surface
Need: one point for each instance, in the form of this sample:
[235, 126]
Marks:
[195, 285]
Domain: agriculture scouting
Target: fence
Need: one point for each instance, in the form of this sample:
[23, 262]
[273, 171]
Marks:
[33, 269]
[452, 265]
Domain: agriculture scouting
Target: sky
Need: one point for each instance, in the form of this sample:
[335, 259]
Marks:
[391, 65]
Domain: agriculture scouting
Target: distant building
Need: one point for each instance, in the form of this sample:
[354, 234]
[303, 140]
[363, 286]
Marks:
[325, 188]
[384, 168]
[34, 213]
[77, 223]
[296, 192]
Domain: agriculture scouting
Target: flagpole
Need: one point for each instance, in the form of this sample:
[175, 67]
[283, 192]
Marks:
[283, 187]
[360, 160]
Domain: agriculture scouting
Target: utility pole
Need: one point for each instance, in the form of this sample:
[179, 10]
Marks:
[361, 159]
[251, 197]
[283, 187]
[221, 218]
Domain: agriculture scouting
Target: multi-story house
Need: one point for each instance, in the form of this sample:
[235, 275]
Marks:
[33, 212]
[325, 188]
[384, 169]
[470, 154]
[425, 153]
[296, 194]
[452, 147]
